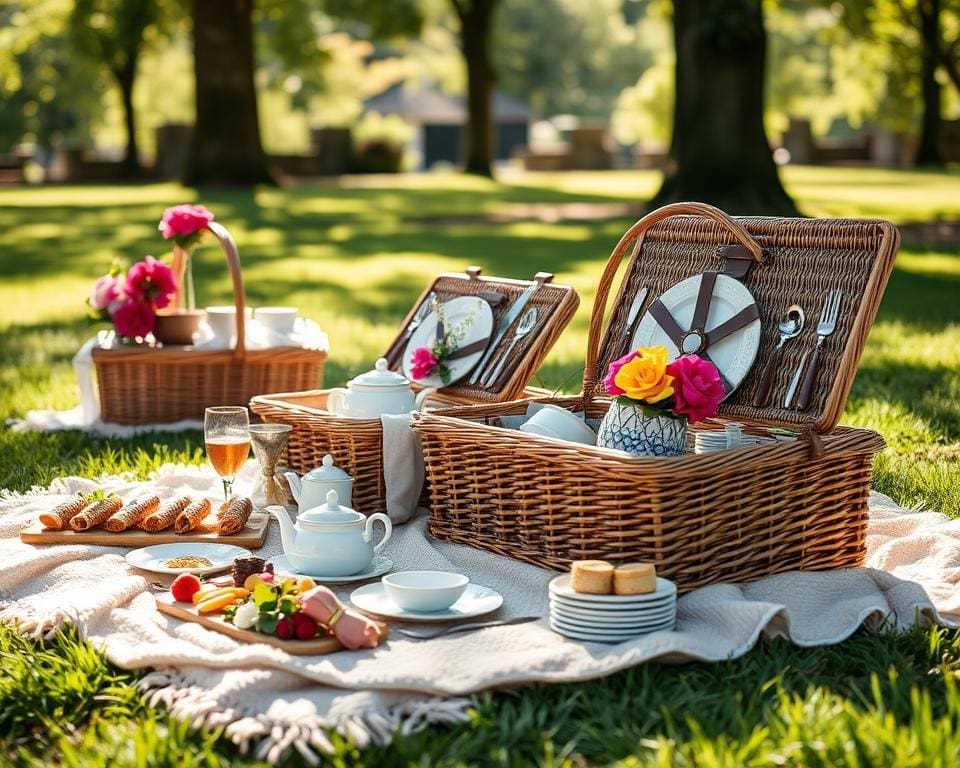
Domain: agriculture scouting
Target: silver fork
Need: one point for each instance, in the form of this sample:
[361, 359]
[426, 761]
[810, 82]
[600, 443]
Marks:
[826, 326]
[429, 634]
[426, 306]
[528, 322]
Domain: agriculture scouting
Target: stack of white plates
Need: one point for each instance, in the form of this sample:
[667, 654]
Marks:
[610, 618]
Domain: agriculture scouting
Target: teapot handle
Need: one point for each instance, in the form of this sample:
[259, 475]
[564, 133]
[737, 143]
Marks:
[423, 395]
[387, 529]
[336, 400]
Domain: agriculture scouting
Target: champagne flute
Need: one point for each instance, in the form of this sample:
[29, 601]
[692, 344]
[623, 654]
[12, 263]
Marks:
[227, 438]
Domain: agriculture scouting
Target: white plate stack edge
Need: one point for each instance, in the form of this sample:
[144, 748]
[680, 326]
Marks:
[611, 618]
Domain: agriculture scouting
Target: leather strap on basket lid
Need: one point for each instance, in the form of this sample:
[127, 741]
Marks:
[630, 239]
[233, 262]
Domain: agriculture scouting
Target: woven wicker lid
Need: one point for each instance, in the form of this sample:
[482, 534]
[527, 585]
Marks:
[782, 261]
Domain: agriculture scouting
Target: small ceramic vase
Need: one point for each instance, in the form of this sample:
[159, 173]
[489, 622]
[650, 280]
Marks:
[629, 428]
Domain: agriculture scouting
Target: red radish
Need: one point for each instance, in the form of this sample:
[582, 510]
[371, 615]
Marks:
[184, 587]
[284, 629]
[306, 628]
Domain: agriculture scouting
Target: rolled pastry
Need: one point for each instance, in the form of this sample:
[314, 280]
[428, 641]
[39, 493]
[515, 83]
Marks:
[59, 517]
[233, 515]
[132, 514]
[96, 513]
[192, 516]
[166, 515]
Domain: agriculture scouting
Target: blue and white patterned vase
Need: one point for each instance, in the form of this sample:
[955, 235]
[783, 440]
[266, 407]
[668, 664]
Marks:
[629, 428]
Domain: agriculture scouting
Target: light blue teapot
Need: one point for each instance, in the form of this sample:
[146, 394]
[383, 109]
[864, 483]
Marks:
[330, 540]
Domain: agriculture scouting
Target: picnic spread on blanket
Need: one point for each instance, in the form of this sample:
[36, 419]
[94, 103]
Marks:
[438, 526]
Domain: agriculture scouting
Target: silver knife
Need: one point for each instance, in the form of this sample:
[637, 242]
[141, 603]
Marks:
[795, 381]
[635, 309]
[512, 314]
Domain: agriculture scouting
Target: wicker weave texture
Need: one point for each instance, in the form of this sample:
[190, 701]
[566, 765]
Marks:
[150, 385]
[702, 519]
[725, 516]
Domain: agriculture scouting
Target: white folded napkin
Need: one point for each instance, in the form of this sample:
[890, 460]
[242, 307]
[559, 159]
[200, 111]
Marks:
[402, 466]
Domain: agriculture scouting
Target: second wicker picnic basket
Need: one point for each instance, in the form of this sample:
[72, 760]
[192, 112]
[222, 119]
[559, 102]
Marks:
[701, 518]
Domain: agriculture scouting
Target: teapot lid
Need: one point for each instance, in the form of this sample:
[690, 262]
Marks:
[380, 376]
[329, 513]
[327, 471]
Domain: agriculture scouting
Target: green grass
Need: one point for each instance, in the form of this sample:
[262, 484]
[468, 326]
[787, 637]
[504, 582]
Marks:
[355, 257]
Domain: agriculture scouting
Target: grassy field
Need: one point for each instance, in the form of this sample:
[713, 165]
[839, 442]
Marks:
[354, 257]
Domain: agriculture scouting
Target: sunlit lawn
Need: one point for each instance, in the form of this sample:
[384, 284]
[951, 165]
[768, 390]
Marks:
[354, 257]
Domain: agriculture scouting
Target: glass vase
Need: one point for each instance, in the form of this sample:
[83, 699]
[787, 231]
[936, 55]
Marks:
[632, 428]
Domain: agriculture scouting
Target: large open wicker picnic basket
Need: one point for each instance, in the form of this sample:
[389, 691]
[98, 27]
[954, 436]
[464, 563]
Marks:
[357, 444]
[701, 518]
[140, 384]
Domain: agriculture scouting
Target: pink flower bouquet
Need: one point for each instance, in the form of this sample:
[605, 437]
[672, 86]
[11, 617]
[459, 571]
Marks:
[185, 225]
[131, 301]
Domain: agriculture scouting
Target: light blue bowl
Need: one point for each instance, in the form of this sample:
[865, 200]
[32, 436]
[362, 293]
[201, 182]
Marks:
[425, 591]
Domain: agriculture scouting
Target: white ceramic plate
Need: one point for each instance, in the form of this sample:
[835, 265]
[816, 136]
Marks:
[378, 567]
[603, 637]
[616, 609]
[612, 618]
[456, 311]
[733, 355]
[153, 558]
[560, 587]
[475, 601]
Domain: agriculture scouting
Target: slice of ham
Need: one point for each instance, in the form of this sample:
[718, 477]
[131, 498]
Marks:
[351, 629]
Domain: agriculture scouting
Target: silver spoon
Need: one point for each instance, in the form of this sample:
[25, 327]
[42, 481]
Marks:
[528, 321]
[789, 326]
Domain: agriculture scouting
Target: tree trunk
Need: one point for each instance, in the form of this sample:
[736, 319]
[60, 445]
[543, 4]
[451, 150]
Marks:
[476, 21]
[130, 166]
[719, 151]
[928, 151]
[226, 146]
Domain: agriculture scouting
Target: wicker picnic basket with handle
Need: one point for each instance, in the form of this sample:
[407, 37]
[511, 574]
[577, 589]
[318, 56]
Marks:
[730, 515]
[357, 443]
[141, 384]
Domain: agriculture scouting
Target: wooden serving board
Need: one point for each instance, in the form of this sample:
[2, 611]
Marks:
[188, 612]
[252, 536]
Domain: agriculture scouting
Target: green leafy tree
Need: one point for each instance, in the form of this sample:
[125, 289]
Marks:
[113, 33]
[719, 151]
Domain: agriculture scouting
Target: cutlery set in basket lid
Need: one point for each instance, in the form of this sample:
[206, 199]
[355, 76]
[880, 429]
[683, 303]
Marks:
[498, 332]
[782, 307]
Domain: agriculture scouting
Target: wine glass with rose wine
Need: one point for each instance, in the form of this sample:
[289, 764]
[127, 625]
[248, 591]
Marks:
[227, 437]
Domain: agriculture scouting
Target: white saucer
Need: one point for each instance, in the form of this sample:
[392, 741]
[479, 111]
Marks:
[221, 557]
[603, 637]
[592, 629]
[379, 566]
[456, 311]
[560, 588]
[608, 619]
[475, 601]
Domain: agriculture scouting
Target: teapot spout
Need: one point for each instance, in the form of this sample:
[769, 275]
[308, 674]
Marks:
[288, 533]
[295, 485]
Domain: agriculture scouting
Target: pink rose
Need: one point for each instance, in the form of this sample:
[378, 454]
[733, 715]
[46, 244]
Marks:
[184, 220]
[134, 318]
[423, 363]
[151, 280]
[608, 383]
[697, 388]
[105, 291]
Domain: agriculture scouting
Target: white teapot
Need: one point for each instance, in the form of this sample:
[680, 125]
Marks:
[330, 540]
[374, 393]
[311, 490]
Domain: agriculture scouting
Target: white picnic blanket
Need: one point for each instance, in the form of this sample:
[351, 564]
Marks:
[276, 703]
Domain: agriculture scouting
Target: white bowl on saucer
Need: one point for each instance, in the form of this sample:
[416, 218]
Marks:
[425, 591]
[279, 319]
[553, 421]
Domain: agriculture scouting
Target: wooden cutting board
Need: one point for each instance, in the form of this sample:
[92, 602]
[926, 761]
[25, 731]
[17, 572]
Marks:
[251, 537]
[188, 612]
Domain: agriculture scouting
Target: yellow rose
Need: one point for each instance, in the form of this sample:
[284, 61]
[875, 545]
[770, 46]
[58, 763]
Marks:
[645, 376]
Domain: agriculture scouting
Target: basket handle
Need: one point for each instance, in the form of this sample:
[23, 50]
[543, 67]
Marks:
[591, 373]
[233, 262]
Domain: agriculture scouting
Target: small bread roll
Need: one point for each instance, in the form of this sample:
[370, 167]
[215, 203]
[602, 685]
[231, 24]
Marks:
[593, 577]
[635, 579]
